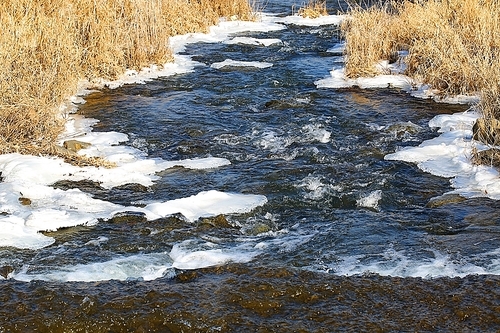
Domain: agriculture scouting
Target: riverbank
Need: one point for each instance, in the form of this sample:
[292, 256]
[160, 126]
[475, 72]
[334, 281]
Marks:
[451, 46]
[49, 46]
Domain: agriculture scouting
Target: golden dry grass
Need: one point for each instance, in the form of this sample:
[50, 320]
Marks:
[313, 9]
[453, 44]
[49, 45]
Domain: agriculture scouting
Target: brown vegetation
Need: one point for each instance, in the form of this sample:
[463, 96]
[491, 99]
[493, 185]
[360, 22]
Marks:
[313, 9]
[49, 45]
[454, 46]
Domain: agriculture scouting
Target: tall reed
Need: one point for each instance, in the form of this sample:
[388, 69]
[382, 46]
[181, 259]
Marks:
[313, 9]
[47, 46]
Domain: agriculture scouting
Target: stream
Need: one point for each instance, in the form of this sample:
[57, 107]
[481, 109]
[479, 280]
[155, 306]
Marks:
[345, 241]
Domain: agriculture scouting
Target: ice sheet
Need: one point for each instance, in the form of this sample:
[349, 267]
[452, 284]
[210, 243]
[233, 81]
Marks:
[235, 63]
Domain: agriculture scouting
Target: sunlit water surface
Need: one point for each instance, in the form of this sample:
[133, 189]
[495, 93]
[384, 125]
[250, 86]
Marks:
[342, 243]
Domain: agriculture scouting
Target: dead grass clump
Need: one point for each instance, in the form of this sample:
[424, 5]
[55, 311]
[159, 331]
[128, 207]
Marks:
[452, 44]
[490, 157]
[313, 9]
[48, 45]
[37, 62]
[369, 35]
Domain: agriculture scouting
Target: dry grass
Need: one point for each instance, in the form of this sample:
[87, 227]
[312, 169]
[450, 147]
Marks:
[453, 44]
[313, 9]
[49, 45]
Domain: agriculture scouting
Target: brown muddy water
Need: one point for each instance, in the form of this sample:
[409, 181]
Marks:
[241, 298]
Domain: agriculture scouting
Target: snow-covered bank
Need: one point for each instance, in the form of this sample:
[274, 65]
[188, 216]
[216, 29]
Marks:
[30, 204]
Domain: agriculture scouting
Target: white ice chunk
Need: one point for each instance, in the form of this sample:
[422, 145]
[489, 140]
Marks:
[208, 203]
[312, 22]
[254, 41]
[337, 48]
[14, 233]
[449, 156]
[338, 80]
[236, 63]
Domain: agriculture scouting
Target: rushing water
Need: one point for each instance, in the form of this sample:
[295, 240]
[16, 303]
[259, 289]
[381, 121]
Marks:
[342, 243]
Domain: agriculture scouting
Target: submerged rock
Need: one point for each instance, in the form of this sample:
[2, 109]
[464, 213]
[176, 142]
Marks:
[445, 199]
[218, 221]
[75, 145]
[260, 228]
[129, 216]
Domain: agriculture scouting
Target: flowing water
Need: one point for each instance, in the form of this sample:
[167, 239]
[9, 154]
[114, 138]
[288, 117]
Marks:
[347, 241]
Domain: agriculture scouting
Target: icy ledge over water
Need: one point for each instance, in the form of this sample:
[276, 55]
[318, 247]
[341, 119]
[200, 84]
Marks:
[449, 155]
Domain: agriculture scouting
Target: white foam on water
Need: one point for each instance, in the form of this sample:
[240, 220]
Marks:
[315, 132]
[141, 266]
[316, 188]
[192, 254]
[236, 63]
[370, 200]
[398, 264]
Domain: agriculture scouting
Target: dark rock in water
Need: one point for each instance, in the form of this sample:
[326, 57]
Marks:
[444, 223]
[124, 217]
[218, 221]
[133, 187]
[279, 105]
[394, 57]
[445, 200]
[25, 201]
[260, 228]
[194, 132]
[487, 131]
[188, 147]
[75, 145]
[6, 270]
